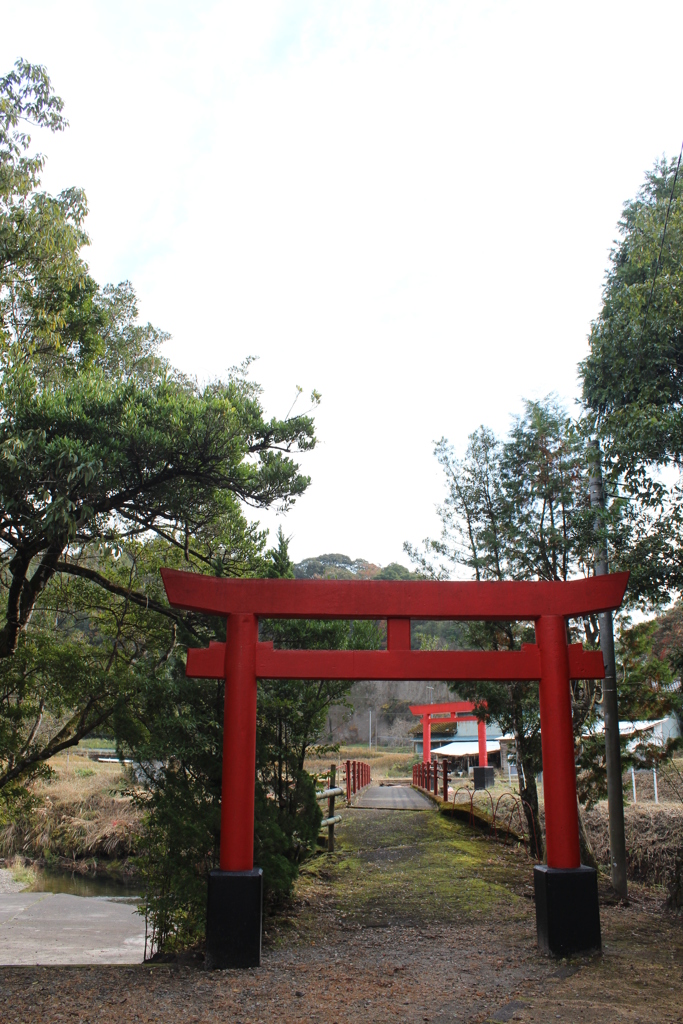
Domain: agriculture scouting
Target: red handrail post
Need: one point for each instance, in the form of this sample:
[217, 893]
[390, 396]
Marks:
[348, 781]
[445, 779]
[436, 778]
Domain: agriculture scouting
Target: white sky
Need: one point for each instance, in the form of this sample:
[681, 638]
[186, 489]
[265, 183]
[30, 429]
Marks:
[408, 206]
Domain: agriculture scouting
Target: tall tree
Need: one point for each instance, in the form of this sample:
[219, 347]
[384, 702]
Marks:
[99, 437]
[109, 459]
[517, 509]
[632, 377]
[633, 385]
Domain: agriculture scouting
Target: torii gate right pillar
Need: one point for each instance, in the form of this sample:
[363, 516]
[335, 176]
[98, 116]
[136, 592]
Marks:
[567, 911]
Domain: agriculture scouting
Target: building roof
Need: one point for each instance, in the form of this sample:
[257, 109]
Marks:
[629, 728]
[464, 749]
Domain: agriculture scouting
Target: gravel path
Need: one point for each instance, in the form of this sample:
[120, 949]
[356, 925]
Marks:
[414, 919]
[7, 883]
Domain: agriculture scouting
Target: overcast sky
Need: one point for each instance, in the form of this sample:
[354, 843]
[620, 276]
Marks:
[407, 206]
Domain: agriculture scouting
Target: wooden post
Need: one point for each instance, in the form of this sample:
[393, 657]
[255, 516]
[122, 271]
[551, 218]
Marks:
[330, 810]
[445, 779]
[610, 706]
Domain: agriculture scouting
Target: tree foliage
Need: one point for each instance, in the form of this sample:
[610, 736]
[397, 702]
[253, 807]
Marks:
[649, 664]
[112, 464]
[632, 384]
[517, 509]
[632, 380]
[99, 437]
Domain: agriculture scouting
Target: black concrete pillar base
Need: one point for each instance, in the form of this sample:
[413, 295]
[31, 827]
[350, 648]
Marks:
[233, 919]
[567, 912]
[483, 778]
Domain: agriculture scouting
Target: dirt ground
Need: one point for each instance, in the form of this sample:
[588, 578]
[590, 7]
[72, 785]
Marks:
[413, 919]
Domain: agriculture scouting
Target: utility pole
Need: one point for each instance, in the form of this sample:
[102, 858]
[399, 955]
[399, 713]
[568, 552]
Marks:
[615, 794]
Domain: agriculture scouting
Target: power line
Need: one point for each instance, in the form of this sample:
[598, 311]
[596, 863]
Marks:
[661, 247]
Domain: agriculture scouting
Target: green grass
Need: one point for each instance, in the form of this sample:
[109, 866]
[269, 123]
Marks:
[26, 876]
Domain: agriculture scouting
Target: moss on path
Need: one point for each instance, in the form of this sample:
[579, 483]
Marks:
[414, 868]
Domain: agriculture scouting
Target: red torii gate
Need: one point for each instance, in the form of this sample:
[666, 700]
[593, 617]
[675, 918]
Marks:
[451, 711]
[567, 913]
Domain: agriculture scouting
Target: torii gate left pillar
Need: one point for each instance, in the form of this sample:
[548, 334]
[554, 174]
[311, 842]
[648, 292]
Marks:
[235, 891]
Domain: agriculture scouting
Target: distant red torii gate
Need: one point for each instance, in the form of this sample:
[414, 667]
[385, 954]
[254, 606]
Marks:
[233, 939]
[456, 711]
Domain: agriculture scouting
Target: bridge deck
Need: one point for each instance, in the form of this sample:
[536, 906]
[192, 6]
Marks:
[395, 798]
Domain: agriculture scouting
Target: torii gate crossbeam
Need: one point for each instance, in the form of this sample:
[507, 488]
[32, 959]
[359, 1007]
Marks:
[566, 893]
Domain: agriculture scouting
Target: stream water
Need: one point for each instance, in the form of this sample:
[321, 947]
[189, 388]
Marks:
[49, 880]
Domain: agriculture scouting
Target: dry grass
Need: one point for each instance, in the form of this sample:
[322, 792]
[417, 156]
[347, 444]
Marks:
[81, 812]
[383, 763]
[654, 837]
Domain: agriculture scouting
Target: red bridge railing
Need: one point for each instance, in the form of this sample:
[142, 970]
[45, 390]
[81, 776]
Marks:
[432, 778]
[357, 774]
[428, 776]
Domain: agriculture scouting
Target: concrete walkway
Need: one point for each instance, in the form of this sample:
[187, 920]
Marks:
[55, 928]
[394, 798]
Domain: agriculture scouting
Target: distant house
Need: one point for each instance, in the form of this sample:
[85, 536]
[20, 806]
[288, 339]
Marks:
[656, 731]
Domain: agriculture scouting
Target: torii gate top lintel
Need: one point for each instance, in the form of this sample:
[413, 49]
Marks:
[463, 710]
[514, 600]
